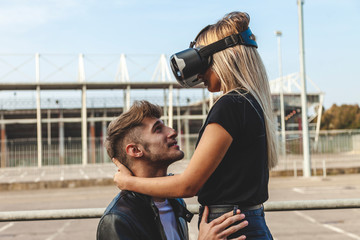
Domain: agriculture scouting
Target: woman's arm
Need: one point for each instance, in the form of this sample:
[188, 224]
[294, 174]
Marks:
[211, 149]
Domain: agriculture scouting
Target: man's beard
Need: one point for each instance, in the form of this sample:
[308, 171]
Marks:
[161, 160]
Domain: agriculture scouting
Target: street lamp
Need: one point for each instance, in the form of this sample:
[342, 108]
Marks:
[305, 125]
[282, 109]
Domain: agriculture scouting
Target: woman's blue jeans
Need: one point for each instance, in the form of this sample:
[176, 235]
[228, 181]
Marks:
[256, 229]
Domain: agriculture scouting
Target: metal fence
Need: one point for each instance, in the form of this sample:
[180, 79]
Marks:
[339, 148]
[329, 149]
[23, 152]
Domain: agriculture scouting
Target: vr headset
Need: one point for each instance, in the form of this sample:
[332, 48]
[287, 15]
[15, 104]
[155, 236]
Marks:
[188, 64]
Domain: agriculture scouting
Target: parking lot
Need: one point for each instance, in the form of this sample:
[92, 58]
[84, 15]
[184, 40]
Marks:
[319, 224]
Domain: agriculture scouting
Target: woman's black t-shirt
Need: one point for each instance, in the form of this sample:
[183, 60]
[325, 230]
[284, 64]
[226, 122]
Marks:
[242, 176]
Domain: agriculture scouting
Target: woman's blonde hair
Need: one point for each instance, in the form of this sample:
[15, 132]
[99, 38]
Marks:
[241, 67]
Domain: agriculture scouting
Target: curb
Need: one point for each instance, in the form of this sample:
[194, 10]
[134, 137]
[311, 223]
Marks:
[76, 183]
[319, 172]
[73, 183]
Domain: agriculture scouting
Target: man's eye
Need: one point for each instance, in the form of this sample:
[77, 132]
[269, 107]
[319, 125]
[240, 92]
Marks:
[158, 129]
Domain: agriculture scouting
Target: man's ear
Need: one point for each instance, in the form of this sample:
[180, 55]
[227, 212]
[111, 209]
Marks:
[133, 150]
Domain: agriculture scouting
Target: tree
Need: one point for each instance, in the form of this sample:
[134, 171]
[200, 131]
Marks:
[341, 117]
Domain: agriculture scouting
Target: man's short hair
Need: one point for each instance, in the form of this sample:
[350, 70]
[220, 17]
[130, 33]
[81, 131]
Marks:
[123, 127]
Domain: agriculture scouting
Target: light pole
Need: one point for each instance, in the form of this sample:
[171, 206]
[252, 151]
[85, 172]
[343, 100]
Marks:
[305, 125]
[282, 109]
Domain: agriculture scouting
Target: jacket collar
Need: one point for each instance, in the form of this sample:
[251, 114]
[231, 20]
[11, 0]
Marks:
[177, 204]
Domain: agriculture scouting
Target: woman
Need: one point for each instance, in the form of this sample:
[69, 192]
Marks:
[237, 144]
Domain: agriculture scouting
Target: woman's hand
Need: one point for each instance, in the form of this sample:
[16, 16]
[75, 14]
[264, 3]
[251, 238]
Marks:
[218, 228]
[122, 176]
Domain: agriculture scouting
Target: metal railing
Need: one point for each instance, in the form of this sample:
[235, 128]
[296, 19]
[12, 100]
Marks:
[333, 149]
[194, 208]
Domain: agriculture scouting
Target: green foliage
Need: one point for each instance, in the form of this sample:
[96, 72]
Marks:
[341, 117]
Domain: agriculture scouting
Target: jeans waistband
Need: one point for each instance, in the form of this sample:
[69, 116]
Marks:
[228, 208]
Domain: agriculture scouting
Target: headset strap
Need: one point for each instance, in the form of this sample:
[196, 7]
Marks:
[242, 38]
[192, 44]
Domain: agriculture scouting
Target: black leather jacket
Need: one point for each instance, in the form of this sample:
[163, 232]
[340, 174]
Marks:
[134, 216]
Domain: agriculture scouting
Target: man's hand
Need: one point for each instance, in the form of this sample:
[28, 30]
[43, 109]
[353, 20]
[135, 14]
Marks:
[217, 229]
[123, 174]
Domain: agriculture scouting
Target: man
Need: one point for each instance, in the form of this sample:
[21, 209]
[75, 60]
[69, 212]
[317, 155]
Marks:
[139, 140]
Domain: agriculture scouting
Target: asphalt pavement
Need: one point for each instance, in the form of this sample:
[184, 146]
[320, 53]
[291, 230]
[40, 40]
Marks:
[73, 187]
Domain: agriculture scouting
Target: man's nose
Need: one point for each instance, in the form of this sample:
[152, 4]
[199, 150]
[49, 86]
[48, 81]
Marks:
[172, 133]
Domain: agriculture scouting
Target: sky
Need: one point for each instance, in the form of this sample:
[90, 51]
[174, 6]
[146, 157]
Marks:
[331, 33]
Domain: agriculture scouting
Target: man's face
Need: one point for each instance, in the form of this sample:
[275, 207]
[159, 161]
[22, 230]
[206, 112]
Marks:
[159, 142]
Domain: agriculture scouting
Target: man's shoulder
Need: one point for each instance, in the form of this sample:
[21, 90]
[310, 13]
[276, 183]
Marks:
[128, 216]
[126, 201]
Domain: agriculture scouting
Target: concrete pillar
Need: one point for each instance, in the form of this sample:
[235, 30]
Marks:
[61, 138]
[49, 136]
[124, 97]
[84, 125]
[103, 135]
[187, 133]
[92, 139]
[38, 126]
[211, 100]
[81, 79]
[318, 122]
[179, 120]
[49, 127]
[38, 110]
[127, 98]
[165, 112]
[3, 143]
[171, 120]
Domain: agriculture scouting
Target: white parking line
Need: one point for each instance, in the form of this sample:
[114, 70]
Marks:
[9, 225]
[59, 231]
[305, 216]
[339, 230]
[335, 229]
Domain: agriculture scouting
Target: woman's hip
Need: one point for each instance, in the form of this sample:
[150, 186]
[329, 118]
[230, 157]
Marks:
[256, 229]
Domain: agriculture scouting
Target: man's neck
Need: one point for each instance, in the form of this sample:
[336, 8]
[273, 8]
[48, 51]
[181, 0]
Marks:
[147, 171]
